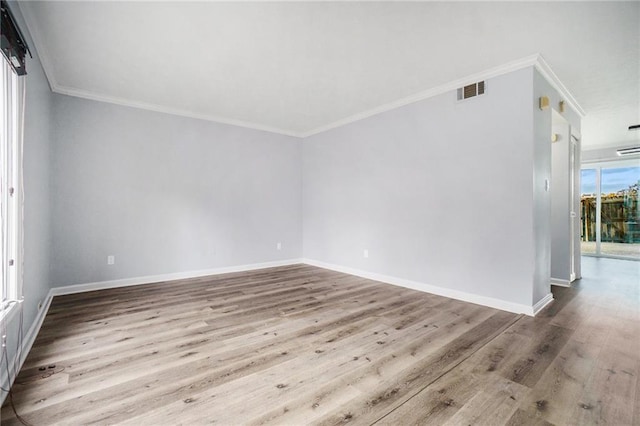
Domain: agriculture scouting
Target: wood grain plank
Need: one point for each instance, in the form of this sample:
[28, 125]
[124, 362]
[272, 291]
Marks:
[562, 384]
[495, 403]
[610, 391]
[394, 390]
[305, 345]
[521, 417]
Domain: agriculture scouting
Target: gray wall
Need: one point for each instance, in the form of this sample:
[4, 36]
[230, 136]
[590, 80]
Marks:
[167, 194]
[37, 192]
[542, 170]
[36, 159]
[439, 192]
[541, 197]
[561, 201]
[449, 206]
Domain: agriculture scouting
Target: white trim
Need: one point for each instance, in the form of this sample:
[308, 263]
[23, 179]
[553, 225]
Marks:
[149, 279]
[536, 61]
[440, 291]
[63, 90]
[613, 146]
[27, 343]
[31, 335]
[429, 93]
[542, 303]
[612, 163]
[543, 67]
[560, 283]
[19, 186]
[609, 256]
[8, 311]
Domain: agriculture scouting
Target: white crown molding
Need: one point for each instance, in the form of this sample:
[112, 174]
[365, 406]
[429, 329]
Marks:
[543, 67]
[491, 302]
[536, 61]
[168, 110]
[429, 93]
[78, 93]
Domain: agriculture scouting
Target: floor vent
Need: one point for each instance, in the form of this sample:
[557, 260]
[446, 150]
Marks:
[475, 89]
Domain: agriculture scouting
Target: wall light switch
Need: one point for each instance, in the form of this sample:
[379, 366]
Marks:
[366, 253]
[279, 246]
[546, 185]
[111, 259]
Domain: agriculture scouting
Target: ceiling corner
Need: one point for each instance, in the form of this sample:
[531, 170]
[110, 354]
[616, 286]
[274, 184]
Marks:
[39, 48]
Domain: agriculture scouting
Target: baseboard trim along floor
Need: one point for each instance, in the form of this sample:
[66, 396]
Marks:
[440, 291]
[29, 338]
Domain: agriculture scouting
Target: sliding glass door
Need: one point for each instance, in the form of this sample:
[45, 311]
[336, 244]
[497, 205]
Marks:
[588, 211]
[610, 213]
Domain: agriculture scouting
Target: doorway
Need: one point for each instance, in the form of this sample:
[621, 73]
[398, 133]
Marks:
[565, 154]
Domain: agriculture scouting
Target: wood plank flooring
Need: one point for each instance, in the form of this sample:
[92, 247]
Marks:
[299, 345]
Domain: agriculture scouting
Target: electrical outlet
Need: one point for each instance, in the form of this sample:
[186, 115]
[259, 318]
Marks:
[365, 254]
[279, 246]
[111, 259]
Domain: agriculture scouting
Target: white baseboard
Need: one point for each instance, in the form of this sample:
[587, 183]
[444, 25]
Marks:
[31, 335]
[560, 283]
[149, 279]
[27, 343]
[542, 303]
[440, 291]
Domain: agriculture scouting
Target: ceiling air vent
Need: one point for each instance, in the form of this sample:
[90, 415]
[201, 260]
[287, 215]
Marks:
[624, 152]
[471, 90]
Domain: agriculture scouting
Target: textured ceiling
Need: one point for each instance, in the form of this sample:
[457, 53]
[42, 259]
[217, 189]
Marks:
[299, 67]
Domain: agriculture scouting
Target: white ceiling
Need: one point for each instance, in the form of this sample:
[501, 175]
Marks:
[297, 67]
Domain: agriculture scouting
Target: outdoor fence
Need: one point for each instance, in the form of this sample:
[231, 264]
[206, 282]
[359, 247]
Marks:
[620, 217]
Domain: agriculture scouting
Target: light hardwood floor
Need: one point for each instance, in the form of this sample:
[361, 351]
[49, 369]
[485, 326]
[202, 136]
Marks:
[299, 344]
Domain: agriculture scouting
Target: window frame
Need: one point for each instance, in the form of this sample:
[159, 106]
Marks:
[11, 188]
[598, 167]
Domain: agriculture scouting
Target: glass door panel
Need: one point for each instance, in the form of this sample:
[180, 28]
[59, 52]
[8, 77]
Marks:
[588, 209]
[619, 213]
